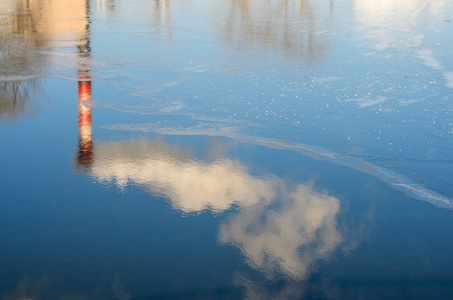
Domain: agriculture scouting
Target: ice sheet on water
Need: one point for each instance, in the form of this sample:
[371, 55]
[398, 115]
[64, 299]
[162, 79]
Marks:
[429, 59]
[15, 78]
[361, 81]
[231, 130]
[381, 115]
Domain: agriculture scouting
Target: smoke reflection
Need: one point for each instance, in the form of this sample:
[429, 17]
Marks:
[288, 240]
[191, 185]
[279, 227]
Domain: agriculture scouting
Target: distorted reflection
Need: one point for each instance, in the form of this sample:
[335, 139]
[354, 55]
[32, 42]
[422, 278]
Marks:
[191, 185]
[279, 227]
[42, 288]
[162, 15]
[287, 25]
[290, 239]
[15, 96]
[402, 25]
[394, 23]
[292, 289]
[85, 151]
[85, 146]
[27, 28]
[16, 62]
[106, 4]
[45, 22]
[32, 24]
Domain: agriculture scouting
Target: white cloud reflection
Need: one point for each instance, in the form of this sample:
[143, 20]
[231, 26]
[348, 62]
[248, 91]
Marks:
[289, 240]
[190, 185]
[279, 227]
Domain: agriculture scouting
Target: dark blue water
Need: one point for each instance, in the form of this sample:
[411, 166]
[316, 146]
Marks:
[226, 149]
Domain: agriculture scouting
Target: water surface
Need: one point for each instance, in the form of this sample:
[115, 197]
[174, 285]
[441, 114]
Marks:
[226, 149]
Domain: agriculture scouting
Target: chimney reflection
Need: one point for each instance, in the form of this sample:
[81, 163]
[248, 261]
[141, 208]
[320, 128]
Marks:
[85, 150]
[85, 146]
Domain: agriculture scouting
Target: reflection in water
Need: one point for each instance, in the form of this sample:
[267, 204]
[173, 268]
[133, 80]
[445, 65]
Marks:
[43, 289]
[36, 24]
[408, 27]
[392, 23]
[279, 228]
[162, 15]
[232, 130]
[85, 151]
[289, 290]
[46, 22]
[288, 25]
[110, 5]
[191, 185]
[15, 95]
[25, 28]
[402, 25]
[288, 240]
[17, 64]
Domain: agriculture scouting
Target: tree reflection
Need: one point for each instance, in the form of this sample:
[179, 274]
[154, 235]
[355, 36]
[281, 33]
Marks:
[162, 15]
[14, 97]
[109, 4]
[282, 24]
[30, 26]
[17, 63]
